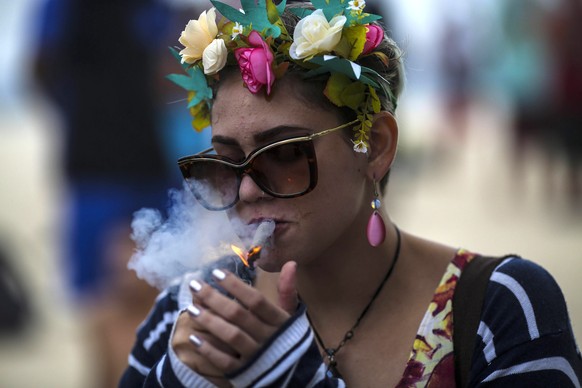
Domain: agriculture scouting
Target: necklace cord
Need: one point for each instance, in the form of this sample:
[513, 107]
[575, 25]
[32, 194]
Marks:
[331, 352]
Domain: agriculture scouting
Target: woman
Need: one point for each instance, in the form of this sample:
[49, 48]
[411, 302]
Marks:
[355, 301]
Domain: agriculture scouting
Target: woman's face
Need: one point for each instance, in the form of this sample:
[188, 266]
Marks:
[309, 225]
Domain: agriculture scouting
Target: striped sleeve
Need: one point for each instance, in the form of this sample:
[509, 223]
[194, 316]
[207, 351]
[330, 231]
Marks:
[524, 337]
[148, 365]
[290, 359]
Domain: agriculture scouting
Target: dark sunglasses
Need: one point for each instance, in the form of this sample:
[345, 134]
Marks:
[283, 169]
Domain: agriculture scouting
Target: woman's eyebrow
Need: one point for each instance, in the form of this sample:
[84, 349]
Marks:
[281, 131]
[225, 140]
[276, 133]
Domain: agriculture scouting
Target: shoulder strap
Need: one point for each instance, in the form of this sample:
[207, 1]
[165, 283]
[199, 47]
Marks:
[467, 303]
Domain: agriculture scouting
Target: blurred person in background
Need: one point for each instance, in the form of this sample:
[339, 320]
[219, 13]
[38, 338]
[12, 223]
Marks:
[541, 69]
[97, 61]
[564, 96]
[525, 70]
[456, 67]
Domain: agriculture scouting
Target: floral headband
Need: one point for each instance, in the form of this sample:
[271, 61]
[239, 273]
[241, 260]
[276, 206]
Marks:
[327, 40]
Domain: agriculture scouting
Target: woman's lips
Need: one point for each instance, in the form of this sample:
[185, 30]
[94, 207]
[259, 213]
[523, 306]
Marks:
[259, 220]
[280, 224]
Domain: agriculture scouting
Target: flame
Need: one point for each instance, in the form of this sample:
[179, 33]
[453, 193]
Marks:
[249, 256]
[240, 254]
[254, 251]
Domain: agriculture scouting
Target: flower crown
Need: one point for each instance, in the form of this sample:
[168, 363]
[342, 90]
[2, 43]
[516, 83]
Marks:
[327, 40]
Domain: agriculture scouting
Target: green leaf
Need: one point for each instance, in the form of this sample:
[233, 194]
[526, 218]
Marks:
[376, 105]
[195, 82]
[343, 66]
[200, 116]
[361, 19]
[256, 15]
[330, 8]
[274, 11]
[369, 18]
[354, 95]
[369, 81]
[336, 65]
[342, 91]
[335, 85]
[177, 55]
[197, 99]
[352, 42]
[182, 81]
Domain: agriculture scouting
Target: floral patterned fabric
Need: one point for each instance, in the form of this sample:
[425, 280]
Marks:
[431, 361]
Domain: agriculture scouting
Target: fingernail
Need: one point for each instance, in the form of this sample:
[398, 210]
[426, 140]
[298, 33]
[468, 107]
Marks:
[193, 310]
[195, 286]
[218, 274]
[195, 340]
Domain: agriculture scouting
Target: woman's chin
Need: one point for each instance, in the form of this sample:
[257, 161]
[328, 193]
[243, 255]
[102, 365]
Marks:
[268, 263]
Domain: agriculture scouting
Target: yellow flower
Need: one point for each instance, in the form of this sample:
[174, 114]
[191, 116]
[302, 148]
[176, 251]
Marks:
[200, 114]
[197, 35]
[315, 35]
[214, 57]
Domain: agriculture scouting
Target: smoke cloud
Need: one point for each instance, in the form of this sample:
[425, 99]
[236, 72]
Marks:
[189, 238]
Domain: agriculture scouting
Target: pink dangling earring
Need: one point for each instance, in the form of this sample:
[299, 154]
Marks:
[376, 230]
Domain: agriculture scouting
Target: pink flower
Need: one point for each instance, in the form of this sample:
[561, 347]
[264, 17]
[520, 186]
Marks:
[256, 63]
[374, 37]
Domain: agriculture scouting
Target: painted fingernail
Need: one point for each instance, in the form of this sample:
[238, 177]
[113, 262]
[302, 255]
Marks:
[218, 274]
[195, 286]
[195, 340]
[193, 310]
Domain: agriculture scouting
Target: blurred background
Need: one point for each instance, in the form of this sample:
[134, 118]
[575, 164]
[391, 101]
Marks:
[490, 157]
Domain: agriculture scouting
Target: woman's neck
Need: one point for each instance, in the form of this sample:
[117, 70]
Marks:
[342, 280]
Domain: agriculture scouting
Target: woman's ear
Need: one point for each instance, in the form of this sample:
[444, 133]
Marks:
[383, 144]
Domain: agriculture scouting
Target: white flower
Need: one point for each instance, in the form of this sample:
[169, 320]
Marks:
[214, 57]
[357, 5]
[360, 147]
[315, 35]
[197, 35]
[236, 30]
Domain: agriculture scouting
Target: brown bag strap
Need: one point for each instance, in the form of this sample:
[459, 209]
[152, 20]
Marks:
[467, 305]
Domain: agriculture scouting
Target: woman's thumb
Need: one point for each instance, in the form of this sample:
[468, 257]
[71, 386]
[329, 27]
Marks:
[287, 287]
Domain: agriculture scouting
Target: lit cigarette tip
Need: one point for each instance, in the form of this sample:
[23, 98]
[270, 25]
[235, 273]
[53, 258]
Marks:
[253, 254]
[260, 237]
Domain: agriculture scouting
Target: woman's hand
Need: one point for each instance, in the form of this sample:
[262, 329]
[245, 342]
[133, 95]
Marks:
[222, 333]
[186, 352]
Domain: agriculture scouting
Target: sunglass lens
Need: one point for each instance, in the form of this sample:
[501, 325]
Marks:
[214, 184]
[285, 169]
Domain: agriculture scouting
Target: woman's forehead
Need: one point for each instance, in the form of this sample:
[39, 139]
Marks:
[239, 114]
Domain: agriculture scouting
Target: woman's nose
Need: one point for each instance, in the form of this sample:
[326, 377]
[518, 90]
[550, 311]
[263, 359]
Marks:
[249, 191]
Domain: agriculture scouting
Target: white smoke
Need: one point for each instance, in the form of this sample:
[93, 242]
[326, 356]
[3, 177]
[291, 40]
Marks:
[187, 239]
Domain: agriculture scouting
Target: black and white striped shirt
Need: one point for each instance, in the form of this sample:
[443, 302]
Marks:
[524, 340]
